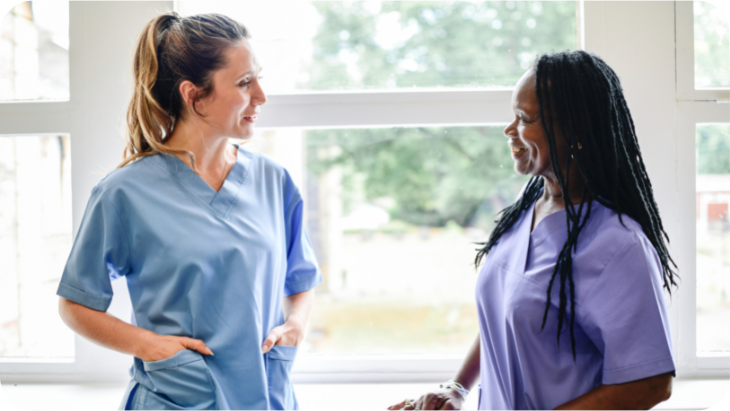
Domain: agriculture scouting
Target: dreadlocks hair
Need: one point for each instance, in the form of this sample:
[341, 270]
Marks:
[581, 99]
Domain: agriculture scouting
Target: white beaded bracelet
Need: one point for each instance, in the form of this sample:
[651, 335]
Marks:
[456, 386]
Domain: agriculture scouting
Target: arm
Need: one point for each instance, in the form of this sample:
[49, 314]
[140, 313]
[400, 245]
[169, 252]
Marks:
[469, 371]
[450, 399]
[113, 333]
[635, 395]
[297, 308]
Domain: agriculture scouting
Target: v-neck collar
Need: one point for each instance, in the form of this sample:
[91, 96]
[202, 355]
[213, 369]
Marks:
[553, 221]
[527, 238]
[221, 201]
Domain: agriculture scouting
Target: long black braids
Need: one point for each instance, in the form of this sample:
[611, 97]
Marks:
[581, 99]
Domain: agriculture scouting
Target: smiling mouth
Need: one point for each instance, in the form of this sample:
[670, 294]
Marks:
[518, 150]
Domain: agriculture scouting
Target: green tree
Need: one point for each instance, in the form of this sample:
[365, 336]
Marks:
[713, 149]
[712, 45]
[435, 44]
[433, 175]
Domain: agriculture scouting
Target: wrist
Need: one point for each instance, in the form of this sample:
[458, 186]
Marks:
[456, 387]
[142, 344]
[295, 323]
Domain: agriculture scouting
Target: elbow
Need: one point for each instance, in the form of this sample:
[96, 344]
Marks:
[62, 308]
[664, 388]
[668, 392]
[65, 310]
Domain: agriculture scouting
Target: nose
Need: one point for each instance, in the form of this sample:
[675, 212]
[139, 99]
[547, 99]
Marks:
[259, 97]
[511, 129]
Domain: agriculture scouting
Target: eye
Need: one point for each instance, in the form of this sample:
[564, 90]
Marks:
[244, 84]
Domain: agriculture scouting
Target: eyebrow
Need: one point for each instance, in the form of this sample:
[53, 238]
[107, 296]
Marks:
[248, 73]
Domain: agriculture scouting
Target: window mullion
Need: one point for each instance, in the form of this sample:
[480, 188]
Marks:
[388, 109]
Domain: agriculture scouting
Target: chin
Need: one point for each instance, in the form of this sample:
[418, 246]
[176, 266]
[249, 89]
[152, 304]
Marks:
[520, 171]
[243, 134]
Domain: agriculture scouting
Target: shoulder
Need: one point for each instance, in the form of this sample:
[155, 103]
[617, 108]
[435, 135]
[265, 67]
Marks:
[130, 176]
[607, 240]
[616, 248]
[267, 170]
[609, 231]
[263, 163]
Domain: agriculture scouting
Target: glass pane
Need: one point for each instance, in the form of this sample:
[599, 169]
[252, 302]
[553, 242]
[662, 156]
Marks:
[393, 215]
[713, 238]
[34, 52]
[35, 240]
[323, 45]
[712, 45]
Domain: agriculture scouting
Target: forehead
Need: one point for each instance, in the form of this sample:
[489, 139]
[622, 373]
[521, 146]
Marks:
[240, 60]
[524, 95]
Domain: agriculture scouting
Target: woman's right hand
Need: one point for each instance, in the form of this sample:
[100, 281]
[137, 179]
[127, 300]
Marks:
[435, 400]
[159, 347]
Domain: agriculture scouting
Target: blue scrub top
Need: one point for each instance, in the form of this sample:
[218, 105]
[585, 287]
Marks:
[621, 323]
[200, 264]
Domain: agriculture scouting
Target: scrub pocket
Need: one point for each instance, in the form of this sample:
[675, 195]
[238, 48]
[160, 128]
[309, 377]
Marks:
[182, 381]
[279, 362]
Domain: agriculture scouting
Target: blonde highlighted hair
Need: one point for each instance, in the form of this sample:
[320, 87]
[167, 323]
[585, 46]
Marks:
[173, 49]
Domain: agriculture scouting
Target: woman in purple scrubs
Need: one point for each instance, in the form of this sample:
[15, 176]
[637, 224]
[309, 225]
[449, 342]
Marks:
[570, 294]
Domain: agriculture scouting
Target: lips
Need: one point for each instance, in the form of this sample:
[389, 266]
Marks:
[517, 150]
[250, 119]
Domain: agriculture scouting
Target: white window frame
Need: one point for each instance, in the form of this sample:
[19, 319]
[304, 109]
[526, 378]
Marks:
[690, 114]
[100, 87]
[694, 106]
[686, 59]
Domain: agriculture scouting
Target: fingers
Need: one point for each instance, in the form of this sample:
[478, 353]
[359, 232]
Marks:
[271, 339]
[397, 406]
[197, 345]
[404, 405]
[447, 405]
[426, 402]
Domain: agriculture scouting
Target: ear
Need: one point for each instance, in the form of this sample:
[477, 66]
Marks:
[189, 93]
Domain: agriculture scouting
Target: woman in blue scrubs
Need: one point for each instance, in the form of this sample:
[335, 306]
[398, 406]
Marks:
[209, 236]
[570, 294]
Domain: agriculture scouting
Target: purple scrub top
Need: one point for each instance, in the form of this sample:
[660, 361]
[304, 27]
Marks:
[621, 324]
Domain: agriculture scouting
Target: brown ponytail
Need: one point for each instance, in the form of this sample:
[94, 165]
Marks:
[173, 49]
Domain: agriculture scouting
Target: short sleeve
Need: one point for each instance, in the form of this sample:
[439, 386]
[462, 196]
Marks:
[99, 254]
[302, 272]
[625, 315]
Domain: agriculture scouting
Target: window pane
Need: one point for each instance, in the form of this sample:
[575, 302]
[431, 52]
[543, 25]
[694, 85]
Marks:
[713, 238]
[712, 45]
[393, 215]
[35, 240]
[34, 52]
[357, 45]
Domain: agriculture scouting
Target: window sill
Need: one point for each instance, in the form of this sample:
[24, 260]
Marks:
[687, 395]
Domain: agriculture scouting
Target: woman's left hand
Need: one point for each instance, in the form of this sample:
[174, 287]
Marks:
[290, 333]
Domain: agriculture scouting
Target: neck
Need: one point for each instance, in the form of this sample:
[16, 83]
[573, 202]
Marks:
[553, 194]
[209, 150]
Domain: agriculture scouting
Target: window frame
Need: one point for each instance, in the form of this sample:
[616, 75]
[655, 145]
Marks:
[94, 155]
[685, 44]
[694, 106]
[690, 114]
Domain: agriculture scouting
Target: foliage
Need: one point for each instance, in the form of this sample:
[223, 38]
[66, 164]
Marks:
[713, 149]
[432, 175]
[712, 45]
[365, 44]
